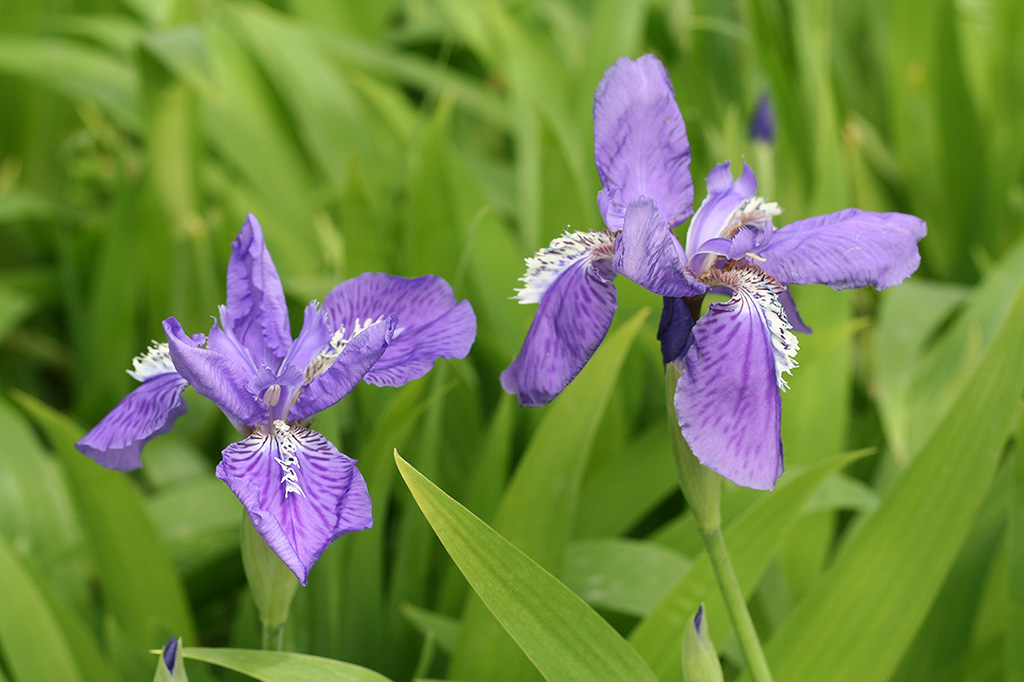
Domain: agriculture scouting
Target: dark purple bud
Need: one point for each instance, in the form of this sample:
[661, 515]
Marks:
[762, 124]
[169, 654]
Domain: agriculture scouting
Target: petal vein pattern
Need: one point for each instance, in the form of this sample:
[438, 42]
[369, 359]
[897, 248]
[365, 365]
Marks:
[301, 493]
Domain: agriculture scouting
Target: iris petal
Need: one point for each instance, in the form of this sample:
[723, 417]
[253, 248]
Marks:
[727, 398]
[148, 411]
[640, 142]
[577, 303]
[214, 375]
[648, 253]
[432, 324]
[725, 195]
[300, 492]
[255, 297]
[347, 370]
[848, 249]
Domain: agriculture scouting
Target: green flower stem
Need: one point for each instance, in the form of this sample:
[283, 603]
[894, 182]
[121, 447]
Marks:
[702, 489]
[736, 605]
[273, 638]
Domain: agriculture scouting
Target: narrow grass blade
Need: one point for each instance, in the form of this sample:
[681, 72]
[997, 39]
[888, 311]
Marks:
[280, 666]
[863, 614]
[531, 604]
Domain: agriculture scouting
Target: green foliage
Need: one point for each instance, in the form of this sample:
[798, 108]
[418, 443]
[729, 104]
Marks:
[455, 137]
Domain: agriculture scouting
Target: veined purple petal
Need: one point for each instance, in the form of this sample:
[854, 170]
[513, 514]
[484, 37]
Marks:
[648, 253]
[148, 411]
[432, 324]
[214, 375]
[255, 297]
[300, 492]
[343, 370]
[640, 142]
[577, 302]
[851, 248]
[727, 398]
[725, 196]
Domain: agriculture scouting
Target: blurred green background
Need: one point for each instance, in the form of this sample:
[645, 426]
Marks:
[455, 137]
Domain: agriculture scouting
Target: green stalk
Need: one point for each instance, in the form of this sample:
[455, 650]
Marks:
[272, 584]
[702, 489]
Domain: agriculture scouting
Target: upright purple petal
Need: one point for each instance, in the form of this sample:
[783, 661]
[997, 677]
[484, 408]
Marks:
[214, 375]
[300, 492]
[255, 297]
[727, 398]
[848, 249]
[432, 324]
[725, 196]
[648, 253]
[148, 411]
[571, 280]
[345, 370]
[640, 142]
[792, 314]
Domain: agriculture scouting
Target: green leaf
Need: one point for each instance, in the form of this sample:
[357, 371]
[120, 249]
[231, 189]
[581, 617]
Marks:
[281, 666]
[862, 615]
[628, 576]
[33, 644]
[140, 585]
[1015, 599]
[563, 636]
[753, 539]
[537, 511]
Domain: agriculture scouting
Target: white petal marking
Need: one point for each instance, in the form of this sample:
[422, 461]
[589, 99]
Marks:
[544, 267]
[753, 286]
[154, 362]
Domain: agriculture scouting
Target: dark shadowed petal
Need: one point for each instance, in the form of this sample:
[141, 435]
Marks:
[432, 324]
[675, 329]
[848, 249]
[255, 297]
[648, 253]
[346, 370]
[727, 398]
[148, 411]
[572, 319]
[300, 492]
[214, 375]
[640, 140]
[725, 195]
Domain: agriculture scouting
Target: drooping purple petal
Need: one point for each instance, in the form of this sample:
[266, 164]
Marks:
[848, 249]
[148, 411]
[255, 297]
[344, 371]
[300, 492]
[727, 398]
[725, 196]
[214, 375]
[640, 142]
[575, 312]
[432, 324]
[648, 253]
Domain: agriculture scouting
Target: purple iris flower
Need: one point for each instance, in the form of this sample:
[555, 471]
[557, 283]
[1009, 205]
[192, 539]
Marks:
[732, 359]
[301, 493]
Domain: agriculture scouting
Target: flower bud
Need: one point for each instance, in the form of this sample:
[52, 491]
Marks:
[700, 660]
[170, 667]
